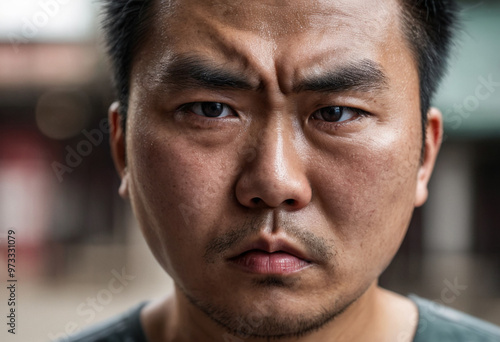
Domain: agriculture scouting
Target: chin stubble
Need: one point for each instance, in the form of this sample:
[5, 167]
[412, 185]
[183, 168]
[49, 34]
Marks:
[268, 323]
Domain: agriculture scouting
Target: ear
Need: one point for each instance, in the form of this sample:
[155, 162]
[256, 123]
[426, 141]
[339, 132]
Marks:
[117, 142]
[434, 136]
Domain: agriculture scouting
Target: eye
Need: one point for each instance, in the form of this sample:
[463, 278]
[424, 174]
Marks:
[210, 109]
[336, 114]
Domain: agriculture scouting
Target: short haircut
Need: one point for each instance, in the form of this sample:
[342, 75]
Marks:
[429, 27]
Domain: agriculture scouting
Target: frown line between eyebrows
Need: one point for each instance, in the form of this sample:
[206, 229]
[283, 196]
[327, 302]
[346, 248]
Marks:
[364, 76]
[185, 72]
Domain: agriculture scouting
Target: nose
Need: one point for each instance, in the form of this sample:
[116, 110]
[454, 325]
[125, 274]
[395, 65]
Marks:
[275, 176]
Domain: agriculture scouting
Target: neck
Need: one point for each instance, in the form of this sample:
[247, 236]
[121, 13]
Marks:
[378, 315]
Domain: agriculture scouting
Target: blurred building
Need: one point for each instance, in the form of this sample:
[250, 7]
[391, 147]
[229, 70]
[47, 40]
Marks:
[56, 177]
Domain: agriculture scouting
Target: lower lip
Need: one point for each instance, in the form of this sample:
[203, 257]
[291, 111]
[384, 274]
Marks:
[261, 262]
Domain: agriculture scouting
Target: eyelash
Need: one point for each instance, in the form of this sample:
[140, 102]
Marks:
[334, 125]
[203, 121]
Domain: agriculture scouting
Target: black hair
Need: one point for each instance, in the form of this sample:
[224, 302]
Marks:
[429, 26]
[126, 24]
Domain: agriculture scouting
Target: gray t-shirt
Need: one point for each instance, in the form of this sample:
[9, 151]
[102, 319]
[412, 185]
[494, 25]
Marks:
[442, 324]
[126, 327]
[436, 323]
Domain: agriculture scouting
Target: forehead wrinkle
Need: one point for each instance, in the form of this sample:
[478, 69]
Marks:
[273, 19]
[270, 19]
[252, 59]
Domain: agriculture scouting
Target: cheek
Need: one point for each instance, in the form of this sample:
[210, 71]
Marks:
[176, 192]
[369, 195]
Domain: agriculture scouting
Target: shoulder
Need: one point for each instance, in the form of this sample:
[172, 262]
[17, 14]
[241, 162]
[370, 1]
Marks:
[123, 328]
[439, 323]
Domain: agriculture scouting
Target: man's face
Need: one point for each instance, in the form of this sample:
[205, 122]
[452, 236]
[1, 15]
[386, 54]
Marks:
[273, 154]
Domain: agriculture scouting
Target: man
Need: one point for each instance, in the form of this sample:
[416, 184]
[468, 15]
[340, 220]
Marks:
[273, 152]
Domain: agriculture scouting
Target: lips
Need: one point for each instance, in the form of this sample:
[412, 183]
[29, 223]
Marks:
[278, 258]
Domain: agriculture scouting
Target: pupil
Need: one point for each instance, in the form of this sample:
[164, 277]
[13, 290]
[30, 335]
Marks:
[212, 109]
[331, 114]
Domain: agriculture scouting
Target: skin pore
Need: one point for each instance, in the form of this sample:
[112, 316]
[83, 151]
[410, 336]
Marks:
[268, 129]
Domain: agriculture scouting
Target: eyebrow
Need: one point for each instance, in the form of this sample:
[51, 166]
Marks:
[363, 76]
[185, 72]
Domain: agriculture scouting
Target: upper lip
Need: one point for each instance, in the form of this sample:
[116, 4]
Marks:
[272, 246]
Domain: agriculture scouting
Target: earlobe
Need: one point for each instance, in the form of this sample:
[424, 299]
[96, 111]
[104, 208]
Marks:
[123, 189]
[117, 142]
[434, 135]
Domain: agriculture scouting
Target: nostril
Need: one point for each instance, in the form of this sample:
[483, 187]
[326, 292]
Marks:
[256, 200]
[290, 202]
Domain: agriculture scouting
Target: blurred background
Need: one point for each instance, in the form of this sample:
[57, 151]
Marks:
[58, 187]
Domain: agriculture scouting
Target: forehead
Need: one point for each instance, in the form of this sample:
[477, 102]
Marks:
[289, 38]
[278, 18]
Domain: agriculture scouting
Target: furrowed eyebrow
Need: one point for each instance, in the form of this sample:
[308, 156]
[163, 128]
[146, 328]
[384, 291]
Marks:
[194, 72]
[364, 76]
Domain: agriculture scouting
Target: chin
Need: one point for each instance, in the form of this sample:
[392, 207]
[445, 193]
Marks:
[273, 311]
